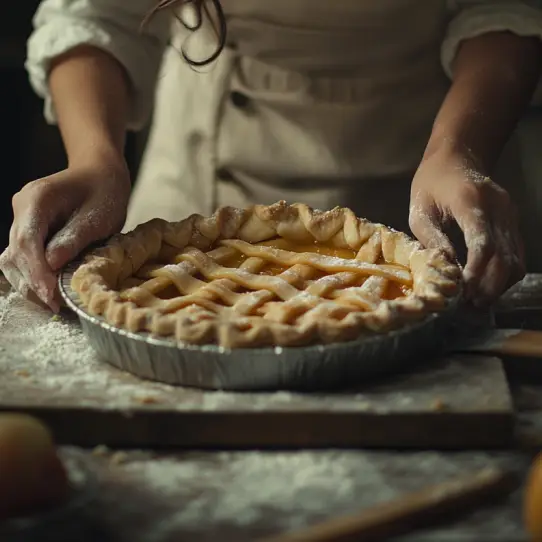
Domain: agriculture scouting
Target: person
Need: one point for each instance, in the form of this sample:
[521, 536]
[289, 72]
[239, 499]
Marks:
[403, 110]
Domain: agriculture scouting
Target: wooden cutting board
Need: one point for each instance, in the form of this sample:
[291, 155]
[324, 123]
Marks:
[48, 369]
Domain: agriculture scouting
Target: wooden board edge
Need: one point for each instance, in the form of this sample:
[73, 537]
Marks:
[277, 430]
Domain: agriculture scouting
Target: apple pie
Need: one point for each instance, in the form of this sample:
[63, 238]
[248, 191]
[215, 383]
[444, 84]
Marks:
[277, 275]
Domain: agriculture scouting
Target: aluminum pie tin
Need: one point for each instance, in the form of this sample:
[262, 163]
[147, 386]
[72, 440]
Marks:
[307, 368]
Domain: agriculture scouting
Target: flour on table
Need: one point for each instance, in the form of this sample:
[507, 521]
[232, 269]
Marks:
[255, 481]
[52, 351]
[243, 489]
[46, 360]
[42, 354]
[242, 496]
[54, 354]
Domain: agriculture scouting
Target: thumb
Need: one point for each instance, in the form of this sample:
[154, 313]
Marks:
[428, 231]
[68, 242]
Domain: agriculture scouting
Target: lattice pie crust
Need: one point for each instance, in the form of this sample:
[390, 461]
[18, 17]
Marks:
[278, 275]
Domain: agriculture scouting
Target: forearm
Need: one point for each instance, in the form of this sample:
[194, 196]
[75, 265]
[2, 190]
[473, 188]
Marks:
[495, 76]
[90, 93]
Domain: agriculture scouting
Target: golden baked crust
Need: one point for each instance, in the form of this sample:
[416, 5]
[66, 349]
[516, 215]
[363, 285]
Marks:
[278, 275]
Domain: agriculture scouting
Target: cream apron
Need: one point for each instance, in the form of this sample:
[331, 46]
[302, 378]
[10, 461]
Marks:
[325, 102]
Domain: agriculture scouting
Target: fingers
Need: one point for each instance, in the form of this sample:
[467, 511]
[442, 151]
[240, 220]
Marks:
[37, 207]
[16, 279]
[480, 246]
[518, 248]
[12, 273]
[495, 278]
[73, 238]
[487, 218]
[426, 227]
[508, 263]
[78, 206]
[27, 238]
[495, 254]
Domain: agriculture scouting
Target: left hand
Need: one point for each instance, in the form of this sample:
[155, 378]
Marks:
[445, 190]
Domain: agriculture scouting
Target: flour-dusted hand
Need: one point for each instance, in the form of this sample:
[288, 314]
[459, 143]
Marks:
[55, 218]
[446, 191]
[494, 75]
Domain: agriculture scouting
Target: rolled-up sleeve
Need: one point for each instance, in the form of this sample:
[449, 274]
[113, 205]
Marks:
[111, 25]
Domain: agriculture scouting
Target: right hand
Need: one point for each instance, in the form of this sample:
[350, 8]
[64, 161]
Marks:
[57, 217]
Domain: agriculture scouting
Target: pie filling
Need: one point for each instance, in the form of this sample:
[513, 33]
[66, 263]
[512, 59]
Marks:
[233, 264]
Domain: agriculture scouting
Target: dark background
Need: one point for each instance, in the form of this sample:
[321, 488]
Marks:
[30, 148]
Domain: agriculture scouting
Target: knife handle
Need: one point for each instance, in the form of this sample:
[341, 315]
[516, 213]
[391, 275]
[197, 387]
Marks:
[522, 344]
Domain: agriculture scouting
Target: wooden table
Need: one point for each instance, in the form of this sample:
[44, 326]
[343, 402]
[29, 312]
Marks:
[145, 495]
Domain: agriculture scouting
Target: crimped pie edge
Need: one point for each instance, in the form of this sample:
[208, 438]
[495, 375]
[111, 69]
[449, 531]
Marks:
[436, 280]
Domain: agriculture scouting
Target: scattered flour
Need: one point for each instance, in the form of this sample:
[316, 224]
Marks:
[48, 360]
[255, 481]
[227, 496]
[55, 354]
[241, 496]
[245, 490]
[41, 354]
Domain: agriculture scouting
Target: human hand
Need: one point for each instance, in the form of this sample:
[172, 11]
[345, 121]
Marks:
[450, 189]
[55, 218]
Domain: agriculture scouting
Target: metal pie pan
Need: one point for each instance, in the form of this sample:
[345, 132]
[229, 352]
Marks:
[289, 368]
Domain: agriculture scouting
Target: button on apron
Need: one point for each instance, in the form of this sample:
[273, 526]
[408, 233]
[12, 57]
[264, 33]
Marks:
[225, 175]
[239, 99]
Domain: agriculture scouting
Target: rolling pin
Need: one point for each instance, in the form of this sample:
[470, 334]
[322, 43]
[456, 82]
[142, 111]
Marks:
[401, 515]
